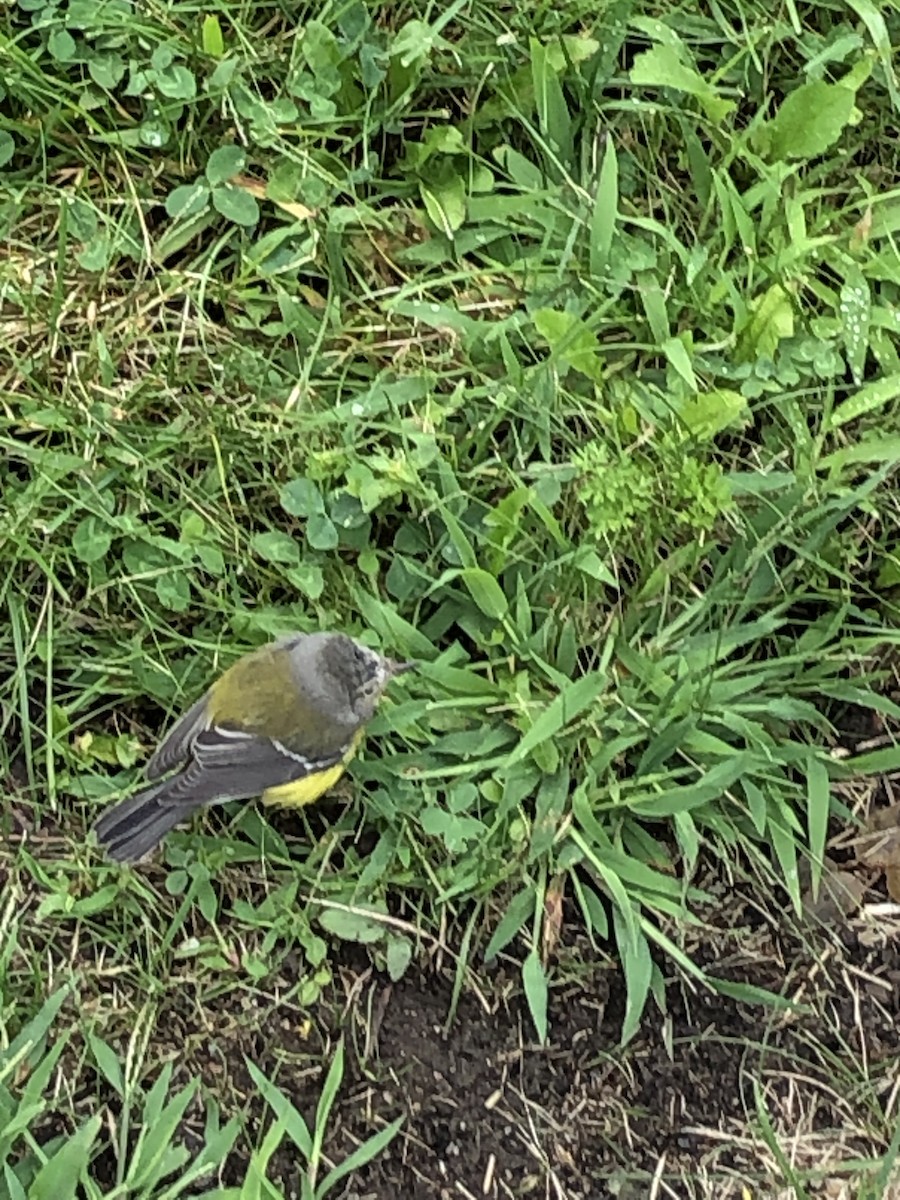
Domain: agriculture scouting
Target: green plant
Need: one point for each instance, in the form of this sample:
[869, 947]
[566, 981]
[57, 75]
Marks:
[310, 1143]
[152, 1160]
[232, 202]
[556, 347]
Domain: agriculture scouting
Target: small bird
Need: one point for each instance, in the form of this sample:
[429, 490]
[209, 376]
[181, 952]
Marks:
[281, 723]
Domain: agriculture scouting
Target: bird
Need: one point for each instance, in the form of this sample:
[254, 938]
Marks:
[281, 723]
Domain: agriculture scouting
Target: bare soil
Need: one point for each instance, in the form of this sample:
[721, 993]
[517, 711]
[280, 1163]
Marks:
[701, 1103]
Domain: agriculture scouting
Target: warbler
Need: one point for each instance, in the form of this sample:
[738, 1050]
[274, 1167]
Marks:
[281, 723]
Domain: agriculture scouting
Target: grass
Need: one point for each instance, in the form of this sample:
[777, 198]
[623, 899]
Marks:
[557, 349]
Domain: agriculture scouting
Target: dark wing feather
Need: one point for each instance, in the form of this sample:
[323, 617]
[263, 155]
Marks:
[134, 826]
[175, 748]
[226, 764]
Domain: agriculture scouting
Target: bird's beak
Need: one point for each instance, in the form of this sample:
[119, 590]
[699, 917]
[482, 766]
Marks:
[399, 668]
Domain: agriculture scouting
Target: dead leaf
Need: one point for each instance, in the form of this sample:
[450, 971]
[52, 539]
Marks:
[257, 188]
[879, 843]
[312, 297]
[836, 1189]
[879, 849]
[862, 229]
[553, 911]
[296, 210]
[884, 818]
[878, 846]
[840, 893]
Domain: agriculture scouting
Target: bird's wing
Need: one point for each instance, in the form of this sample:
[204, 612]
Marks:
[230, 764]
[175, 748]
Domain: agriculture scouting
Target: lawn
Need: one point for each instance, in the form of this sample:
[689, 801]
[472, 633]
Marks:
[559, 350]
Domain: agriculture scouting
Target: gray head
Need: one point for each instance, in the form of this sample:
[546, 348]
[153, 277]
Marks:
[342, 676]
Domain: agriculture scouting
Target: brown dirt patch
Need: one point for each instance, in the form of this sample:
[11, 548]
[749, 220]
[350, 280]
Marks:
[491, 1113]
[679, 1112]
[713, 1099]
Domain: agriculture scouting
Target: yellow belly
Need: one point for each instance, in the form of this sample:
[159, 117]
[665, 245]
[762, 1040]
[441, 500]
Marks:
[303, 791]
[310, 787]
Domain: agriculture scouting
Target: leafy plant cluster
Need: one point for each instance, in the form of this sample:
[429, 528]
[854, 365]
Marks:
[153, 1159]
[550, 354]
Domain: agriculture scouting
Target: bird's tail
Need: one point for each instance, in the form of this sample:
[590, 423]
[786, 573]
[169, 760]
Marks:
[133, 827]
